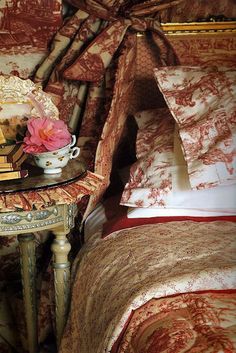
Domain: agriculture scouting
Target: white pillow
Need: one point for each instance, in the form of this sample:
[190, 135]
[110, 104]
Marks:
[136, 212]
[181, 200]
[203, 103]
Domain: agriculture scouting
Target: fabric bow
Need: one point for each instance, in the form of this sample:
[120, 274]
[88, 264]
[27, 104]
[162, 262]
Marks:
[93, 61]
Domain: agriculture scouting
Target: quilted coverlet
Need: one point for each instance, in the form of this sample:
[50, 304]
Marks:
[122, 272]
[192, 322]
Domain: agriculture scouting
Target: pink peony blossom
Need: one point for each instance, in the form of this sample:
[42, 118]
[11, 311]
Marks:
[45, 134]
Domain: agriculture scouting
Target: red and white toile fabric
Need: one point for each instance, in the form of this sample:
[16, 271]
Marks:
[39, 199]
[192, 50]
[188, 11]
[120, 273]
[104, 118]
[26, 30]
[159, 181]
[151, 176]
[203, 103]
[192, 322]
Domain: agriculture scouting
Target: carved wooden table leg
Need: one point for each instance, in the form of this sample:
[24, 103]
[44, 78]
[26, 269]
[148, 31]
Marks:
[61, 265]
[28, 273]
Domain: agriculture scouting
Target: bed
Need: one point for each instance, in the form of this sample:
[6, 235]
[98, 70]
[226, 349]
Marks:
[157, 270]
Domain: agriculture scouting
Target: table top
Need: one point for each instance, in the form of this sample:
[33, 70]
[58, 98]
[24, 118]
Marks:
[38, 180]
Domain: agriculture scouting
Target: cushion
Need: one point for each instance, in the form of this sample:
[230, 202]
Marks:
[150, 177]
[203, 103]
[160, 155]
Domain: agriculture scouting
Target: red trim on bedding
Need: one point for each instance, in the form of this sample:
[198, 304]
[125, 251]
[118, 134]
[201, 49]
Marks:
[116, 345]
[117, 218]
[124, 222]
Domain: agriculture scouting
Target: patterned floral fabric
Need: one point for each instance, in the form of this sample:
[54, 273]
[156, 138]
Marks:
[203, 103]
[120, 273]
[115, 121]
[192, 50]
[178, 11]
[151, 176]
[199, 322]
[200, 9]
[26, 31]
[205, 50]
[159, 183]
[68, 96]
[70, 193]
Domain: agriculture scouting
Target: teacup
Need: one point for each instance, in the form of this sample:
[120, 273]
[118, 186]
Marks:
[52, 162]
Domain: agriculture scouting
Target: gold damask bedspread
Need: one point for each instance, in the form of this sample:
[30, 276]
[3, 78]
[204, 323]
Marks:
[120, 273]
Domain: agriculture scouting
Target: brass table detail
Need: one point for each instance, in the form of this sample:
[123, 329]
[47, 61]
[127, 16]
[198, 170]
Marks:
[59, 219]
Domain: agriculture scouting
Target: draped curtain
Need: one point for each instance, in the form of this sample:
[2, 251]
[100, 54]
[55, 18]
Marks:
[90, 66]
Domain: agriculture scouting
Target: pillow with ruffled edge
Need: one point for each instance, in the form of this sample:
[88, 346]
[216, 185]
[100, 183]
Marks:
[203, 103]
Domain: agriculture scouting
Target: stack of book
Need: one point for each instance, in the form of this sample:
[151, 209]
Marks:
[11, 159]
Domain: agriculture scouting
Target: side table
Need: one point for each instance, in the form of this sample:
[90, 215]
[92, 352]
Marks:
[59, 218]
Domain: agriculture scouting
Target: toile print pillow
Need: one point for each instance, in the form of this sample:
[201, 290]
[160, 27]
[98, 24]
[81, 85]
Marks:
[203, 103]
[150, 179]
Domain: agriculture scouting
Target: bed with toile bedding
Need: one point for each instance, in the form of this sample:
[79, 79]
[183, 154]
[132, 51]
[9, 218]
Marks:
[151, 95]
[157, 270]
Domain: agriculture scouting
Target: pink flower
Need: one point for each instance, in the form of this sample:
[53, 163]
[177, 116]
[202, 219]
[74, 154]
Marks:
[45, 134]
